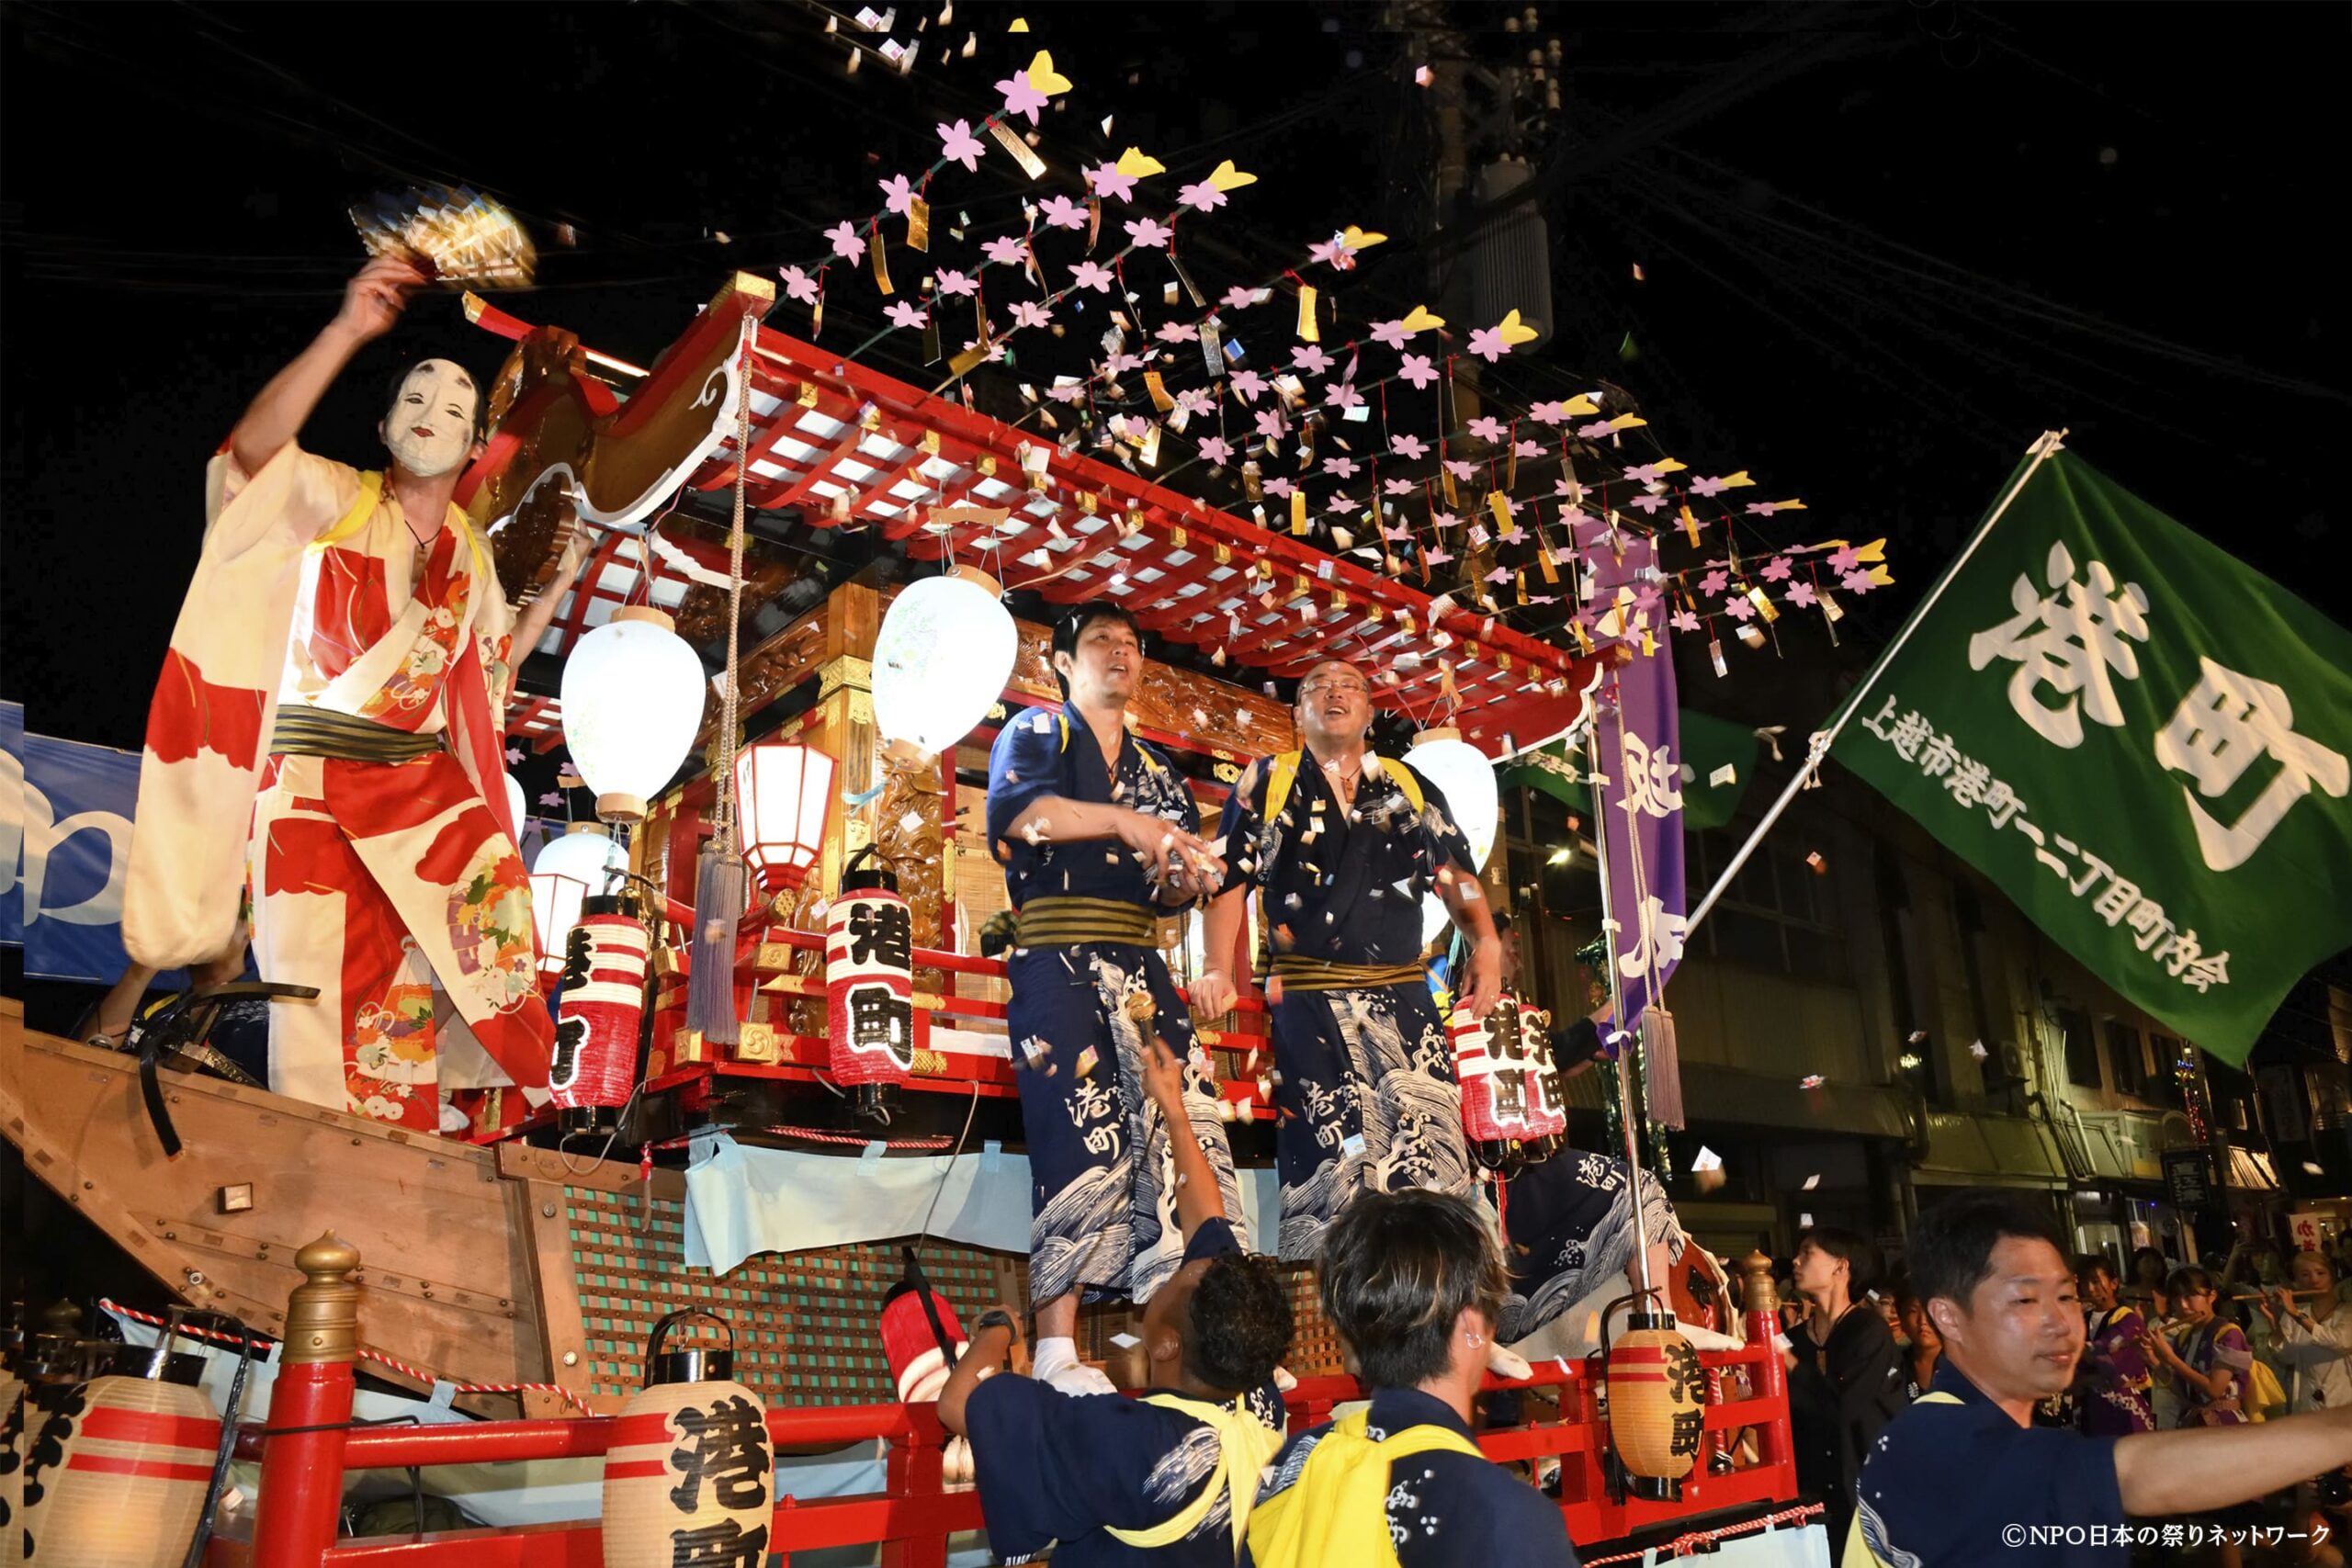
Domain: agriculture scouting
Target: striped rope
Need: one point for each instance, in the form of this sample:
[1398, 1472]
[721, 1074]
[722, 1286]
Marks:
[1707, 1541]
[417, 1373]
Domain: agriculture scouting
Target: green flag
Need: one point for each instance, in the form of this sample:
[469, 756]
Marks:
[2142, 741]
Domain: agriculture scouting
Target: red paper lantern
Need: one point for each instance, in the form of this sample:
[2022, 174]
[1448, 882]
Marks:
[118, 1476]
[870, 985]
[594, 1066]
[785, 795]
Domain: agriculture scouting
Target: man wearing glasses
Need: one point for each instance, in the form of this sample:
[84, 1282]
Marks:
[1342, 844]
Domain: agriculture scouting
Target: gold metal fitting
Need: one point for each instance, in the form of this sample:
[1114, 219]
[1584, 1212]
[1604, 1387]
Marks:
[323, 1315]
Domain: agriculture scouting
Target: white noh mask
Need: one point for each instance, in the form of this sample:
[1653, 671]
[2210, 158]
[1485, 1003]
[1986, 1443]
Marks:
[430, 426]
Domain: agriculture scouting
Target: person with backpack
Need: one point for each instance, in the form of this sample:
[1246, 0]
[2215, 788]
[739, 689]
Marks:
[1413, 1281]
[1168, 1479]
[1340, 845]
[1099, 837]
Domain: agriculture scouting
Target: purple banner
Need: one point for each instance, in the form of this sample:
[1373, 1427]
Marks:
[1640, 756]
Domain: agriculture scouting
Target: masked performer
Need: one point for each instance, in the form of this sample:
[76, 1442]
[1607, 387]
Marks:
[344, 655]
[1097, 832]
[1343, 844]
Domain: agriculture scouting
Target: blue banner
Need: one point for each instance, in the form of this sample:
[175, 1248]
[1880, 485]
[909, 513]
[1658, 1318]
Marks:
[66, 847]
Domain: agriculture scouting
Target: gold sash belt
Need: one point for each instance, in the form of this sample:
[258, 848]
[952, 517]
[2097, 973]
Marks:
[1065, 922]
[322, 732]
[1313, 975]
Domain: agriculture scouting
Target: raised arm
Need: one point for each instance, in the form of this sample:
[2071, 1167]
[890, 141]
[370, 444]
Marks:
[371, 303]
[983, 1355]
[2205, 1468]
[1198, 1200]
[1182, 864]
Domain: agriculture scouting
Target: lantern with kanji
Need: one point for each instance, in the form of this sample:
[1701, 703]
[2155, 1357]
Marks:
[1515, 1032]
[118, 1476]
[1493, 1099]
[1656, 1412]
[688, 1477]
[784, 793]
[870, 985]
[594, 1066]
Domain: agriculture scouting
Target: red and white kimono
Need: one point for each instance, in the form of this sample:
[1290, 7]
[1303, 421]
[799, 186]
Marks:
[313, 606]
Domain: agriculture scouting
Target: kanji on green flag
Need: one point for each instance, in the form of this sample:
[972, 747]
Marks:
[2142, 741]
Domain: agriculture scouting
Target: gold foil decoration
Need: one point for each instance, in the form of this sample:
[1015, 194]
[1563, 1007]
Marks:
[1022, 153]
[881, 266]
[1763, 603]
[1176, 538]
[1308, 331]
[1690, 527]
[1223, 555]
[456, 237]
[1298, 512]
[1499, 505]
[917, 224]
[808, 398]
[1157, 385]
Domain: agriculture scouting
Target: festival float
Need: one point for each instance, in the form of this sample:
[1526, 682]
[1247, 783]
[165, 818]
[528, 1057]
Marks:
[784, 1097]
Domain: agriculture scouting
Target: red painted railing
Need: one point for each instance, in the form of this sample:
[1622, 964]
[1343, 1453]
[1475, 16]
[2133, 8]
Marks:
[305, 1450]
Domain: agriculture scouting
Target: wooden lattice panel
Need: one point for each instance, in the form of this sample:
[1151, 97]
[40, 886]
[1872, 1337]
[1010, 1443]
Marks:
[805, 1324]
[1314, 1343]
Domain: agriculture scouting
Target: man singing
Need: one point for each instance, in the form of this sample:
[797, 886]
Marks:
[1343, 844]
[1098, 836]
[345, 653]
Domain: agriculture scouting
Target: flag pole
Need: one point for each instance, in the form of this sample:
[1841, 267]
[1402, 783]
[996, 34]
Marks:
[2049, 443]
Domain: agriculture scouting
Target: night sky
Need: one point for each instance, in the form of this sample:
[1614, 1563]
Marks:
[1882, 246]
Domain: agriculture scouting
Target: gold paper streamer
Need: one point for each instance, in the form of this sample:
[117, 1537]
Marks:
[917, 224]
[1157, 385]
[1022, 153]
[881, 268]
[1298, 512]
[1308, 331]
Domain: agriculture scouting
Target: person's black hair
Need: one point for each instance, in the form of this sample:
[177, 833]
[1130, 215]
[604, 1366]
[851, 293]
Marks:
[1398, 1269]
[1863, 1265]
[1070, 628]
[2186, 1278]
[1951, 1245]
[398, 378]
[2163, 1268]
[2091, 1265]
[1240, 1324]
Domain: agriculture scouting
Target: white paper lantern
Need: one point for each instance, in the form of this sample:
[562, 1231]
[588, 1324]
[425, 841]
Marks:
[632, 700]
[1466, 779]
[516, 807]
[942, 659]
[571, 866]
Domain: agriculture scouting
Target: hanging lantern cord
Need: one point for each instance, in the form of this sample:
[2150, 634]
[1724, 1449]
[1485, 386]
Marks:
[728, 836]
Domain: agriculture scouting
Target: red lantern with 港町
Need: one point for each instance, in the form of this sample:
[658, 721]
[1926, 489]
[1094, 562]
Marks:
[689, 1475]
[870, 985]
[594, 1066]
[1494, 1094]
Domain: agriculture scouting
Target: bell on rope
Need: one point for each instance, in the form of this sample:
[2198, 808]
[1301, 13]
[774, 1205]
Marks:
[688, 1478]
[870, 985]
[594, 1066]
[1655, 1414]
[118, 1474]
